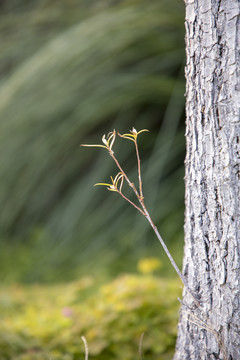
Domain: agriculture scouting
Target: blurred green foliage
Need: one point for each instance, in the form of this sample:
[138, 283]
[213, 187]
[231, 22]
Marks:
[70, 72]
[47, 322]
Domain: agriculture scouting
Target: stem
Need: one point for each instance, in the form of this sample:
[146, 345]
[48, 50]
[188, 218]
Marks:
[132, 203]
[139, 170]
[125, 176]
[169, 255]
[85, 346]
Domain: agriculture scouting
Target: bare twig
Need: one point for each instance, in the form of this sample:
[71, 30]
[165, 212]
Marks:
[132, 203]
[85, 346]
[139, 170]
[170, 257]
[125, 176]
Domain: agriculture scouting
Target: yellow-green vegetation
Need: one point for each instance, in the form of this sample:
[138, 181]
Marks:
[148, 265]
[47, 321]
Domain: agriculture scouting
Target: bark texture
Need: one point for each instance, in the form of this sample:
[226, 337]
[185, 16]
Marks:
[212, 219]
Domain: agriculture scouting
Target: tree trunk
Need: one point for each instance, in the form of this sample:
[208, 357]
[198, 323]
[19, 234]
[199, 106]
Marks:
[212, 220]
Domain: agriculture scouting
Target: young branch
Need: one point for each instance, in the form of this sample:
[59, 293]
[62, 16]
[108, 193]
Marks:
[108, 144]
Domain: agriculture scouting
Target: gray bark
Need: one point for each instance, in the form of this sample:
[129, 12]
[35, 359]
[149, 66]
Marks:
[212, 219]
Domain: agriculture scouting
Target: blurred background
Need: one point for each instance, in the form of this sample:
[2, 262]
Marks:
[71, 71]
[76, 259]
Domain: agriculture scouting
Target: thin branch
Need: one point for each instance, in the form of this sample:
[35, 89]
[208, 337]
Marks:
[139, 169]
[132, 203]
[125, 176]
[170, 256]
[85, 346]
[199, 322]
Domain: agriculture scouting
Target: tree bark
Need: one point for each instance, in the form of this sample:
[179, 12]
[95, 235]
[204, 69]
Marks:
[211, 262]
